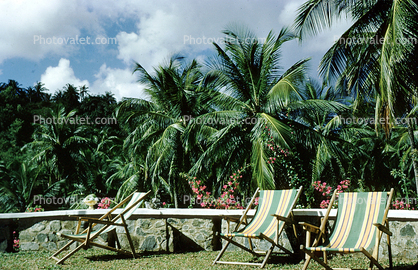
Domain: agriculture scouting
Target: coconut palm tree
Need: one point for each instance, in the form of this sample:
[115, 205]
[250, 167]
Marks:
[375, 59]
[59, 143]
[252, 99]
[18, 182]
[157, 125]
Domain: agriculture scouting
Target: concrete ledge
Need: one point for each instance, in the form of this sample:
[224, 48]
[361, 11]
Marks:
[394, 215]
[171, 230]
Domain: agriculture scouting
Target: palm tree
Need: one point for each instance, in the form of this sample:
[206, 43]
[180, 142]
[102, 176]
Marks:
[84, 92]
[375, 59]
[252, 95]
[59, 144]
[18, 182]
[157, 126]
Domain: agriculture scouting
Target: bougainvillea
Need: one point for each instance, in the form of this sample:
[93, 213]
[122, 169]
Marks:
[16, 242]
[37, 208]
[229, 198]
[326, 191]
[104, 203]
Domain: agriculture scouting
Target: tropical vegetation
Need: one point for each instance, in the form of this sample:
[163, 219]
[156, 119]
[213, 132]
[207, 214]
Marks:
[221, 128]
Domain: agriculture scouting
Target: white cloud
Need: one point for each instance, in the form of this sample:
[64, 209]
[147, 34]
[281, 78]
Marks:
[120, 82]
[182, 26]
[289, 12]
[159, 31]
[26, 22]
[57, 77]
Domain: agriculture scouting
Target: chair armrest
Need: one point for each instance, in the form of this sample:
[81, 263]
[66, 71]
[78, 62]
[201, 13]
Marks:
[99, 221]
[84, 218]
[285, 219]
[383, 228]
[310, 227]
[234, 219]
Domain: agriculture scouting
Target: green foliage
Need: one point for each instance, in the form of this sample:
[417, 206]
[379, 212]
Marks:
[240, 108]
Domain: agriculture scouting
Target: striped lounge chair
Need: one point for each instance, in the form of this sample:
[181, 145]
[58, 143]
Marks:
[273, 212]
[360, 224]
[87, 236]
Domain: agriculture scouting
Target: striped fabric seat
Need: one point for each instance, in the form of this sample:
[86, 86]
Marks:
[86, 238]
[273, 212]
[354, 228]
[360, 224]
[279, 202]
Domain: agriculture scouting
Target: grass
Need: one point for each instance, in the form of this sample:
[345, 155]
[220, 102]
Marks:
[101, 259]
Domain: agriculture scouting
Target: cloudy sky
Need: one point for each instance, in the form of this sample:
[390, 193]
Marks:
[96, 43]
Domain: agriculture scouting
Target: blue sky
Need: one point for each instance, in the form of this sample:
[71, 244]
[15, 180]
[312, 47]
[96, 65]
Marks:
[33, 34]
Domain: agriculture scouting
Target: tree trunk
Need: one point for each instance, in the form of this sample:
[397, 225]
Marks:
[414, 152]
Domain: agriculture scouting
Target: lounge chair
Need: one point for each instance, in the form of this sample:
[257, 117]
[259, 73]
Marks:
[273, 212]
[87, 236]
[360, 224]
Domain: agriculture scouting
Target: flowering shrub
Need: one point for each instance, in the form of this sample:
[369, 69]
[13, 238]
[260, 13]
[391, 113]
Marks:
[287, 165]
[104, 203]
[37, 208]
[406, 190]
[166, 205]
[401, 205]
[229, 195]
[16, 244]
[327, 190]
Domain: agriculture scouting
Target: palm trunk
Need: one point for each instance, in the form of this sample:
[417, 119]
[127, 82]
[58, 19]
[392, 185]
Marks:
[176, 203]
[414, 153]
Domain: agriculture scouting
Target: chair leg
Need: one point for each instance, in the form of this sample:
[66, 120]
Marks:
[312, 256]
[62, 249]
[70, 254]
[307, 261]
[221, 253]
[267, 256]
[130, 242]
[373, 260]
[250, 243]
[308, 243]
[389, 252]
[117, 240]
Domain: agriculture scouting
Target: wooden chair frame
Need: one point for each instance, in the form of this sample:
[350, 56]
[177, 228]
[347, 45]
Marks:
[274, 242]
[322, 236]
[110, 225]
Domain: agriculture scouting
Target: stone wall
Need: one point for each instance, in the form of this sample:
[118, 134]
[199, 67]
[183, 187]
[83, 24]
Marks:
[193, 232]
[147, 234]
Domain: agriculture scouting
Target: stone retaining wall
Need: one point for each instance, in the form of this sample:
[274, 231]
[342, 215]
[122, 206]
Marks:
[147, 234]
[171, 234]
